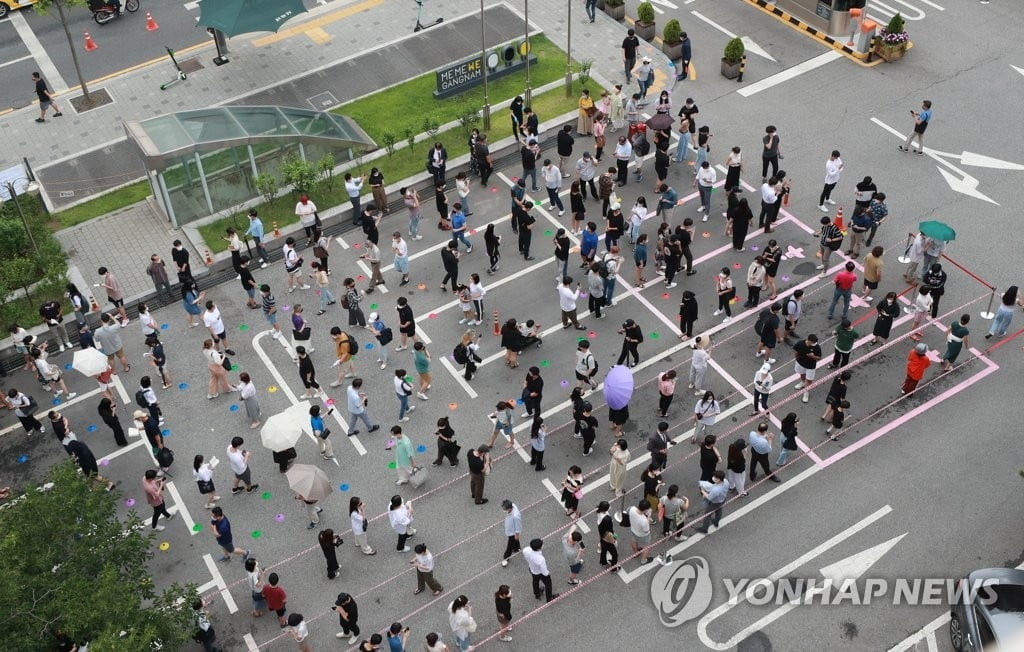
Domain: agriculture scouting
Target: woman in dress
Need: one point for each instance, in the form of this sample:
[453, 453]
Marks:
[772, 256]
[421, 361]
[247, 392]
[618, 114]
[572, 491]
[191, 297]
[734, 165]
[492, 243]
[617, 469]
[329, 541]
[599, 139]
[887, 310]
[1004, 314]
[465, 304]
[577, 207]
[956, 340]
[709, 458]
[202, 473]
[585, 122]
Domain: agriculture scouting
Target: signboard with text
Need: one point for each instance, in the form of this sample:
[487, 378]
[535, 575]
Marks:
[462, 75]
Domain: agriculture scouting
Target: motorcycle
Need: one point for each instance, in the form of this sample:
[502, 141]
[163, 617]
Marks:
[103, 12]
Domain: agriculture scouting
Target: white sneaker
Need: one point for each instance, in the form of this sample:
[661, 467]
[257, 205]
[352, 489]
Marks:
[806, 398]
[401, 348]
[405, 549]
[72, 395]
[355, 637]
[61, 349]
[411, 408]
[717, 313]
[820, 267]
[704, 219]
[670, 286]
[275, 334]
[504, 562]
[561, 213]
[463, 321]
[124, 324]
[823, 208]
[798, 386]
[159, 528]
[303, 287]
[868, 299]
[700, 209]
[759, 354]
[383, 365]
[416, 237]
[771, 361]
[263, 265]
[404, 419]
[527, 415]
[829, 201]
[422, 396]
[726, 320]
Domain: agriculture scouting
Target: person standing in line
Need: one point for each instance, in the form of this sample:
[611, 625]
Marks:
[358, 523]
[1004, 314]
[833, 169]
[276, 598]
[672, 509]
[640, 260]
[830, 239]
[539, 570]
[406, 324]
[479, 463]
[705, 413]
[256, 231]
[771, 153]
[484, 162]
[807, 355]
[704, 182]
[935, 280]
[492, 245]
[525, 228]
[352, 297]
[755, 282]
[180, 256]
[293, 266]
[836, 394]
[666, 391]
[921, 120]
[299, 632]
[644, 77]
[247, 392]
[632, 337]
[585, 173]
[460, 619]
[403, 389]
[768, 197]
[736, 466]
[606, 535]
[585, 119]
[878, 211]
[450, 262]
[640, 527]
[47, 98]
[725, 291]
[371, 254]
[398, 637]
[52, 313]
[476, 295]
[354, 187]
[533, 390]
[844, 282]
[25, 411]
[400, 516]
[956, 340]
[792, 306]
[307, 373]
[763, 382]
[839, 413]
[789, 433]
[348, 617]
[215, 361]
[239, 460]
[845, 337]
[699, 365]
[51, 373]
[714, 494]
[710, 458]
[405, 465]
[411, 199]
[572, 548]
[222, 533]
[538, 435]
[154, 487]
[513, 530]
[859, 225]
[344, 353]
[248, 282]
[421, 361]
[108, 413]
[620, 455]
[888, 310]
[191, 297]
[562, 244]
[305, 210]
[108, 336]
[623, 154]
[401, 251]
[215, 325]
[435, 644]
[254, 577]
[572, 491]
[458, 219]
[323, 284]
[922, 306]
[687, 315]
[202, 473]
[321, 432]
[235, 247]
[917, 363]
[563, 146]
[423, 562]
[528, 157]
[760, 448]
[503, 611]
[567, 297]
[872, 272]
[269, 305]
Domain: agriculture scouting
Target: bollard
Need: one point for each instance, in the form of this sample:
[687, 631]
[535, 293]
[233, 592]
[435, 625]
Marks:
[497, 327]
[988, 314]
[743, 66]
[93, 305]
[905, 258]
[839, 220]
[208, 257]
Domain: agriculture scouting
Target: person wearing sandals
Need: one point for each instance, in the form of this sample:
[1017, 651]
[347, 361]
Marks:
[503, 416]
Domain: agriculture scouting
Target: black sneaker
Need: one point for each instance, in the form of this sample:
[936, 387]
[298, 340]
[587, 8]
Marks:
[230, 352]
[252, 488]
[236, 490]
[375, 428]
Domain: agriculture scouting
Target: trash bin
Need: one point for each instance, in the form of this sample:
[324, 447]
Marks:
[839, 21]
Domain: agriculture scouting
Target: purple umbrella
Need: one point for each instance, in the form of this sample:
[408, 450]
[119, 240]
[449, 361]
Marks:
[618, 387]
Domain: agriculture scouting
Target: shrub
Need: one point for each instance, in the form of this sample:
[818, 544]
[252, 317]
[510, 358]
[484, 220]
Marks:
[734, 50]
[895, 33]
[673, 33]
[431, 126]
[469, 117]
[389, 140]
[302, 175]
[266, 185]
[325, 172]
[614, 3]
[410, 136]
[584, 69]
[895, 25]
[645, 13]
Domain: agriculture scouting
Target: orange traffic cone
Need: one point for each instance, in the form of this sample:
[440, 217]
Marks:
[497, 327]
[209, 257]
[839, 220]
[785, 199]
[95, 307]
[277, 231]
[151, 25]
[90, 44]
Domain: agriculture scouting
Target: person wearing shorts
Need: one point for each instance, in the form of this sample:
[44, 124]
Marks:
[769, 334]
[218, 332]
[269, 304]
[808, 353]
[222, 532]
[406, 324]
[401, 250]
[109, 338]
[277, 599]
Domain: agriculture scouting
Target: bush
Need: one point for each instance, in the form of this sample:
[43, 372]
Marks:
[325, 172]
[300, 174]
[34, 270]
[410, 136]
[266, 185]
[584, 68]
[895, 25]
[734, 50]
[431, 126]
[389, 140]
[645, 13]
[469, 117]
[673, 33]
[614, 3]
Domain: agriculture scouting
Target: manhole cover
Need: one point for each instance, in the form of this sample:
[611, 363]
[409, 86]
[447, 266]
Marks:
[323, 101]
[189, 66]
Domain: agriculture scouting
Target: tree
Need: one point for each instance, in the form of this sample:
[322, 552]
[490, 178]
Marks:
[70, 565]
[43, 7]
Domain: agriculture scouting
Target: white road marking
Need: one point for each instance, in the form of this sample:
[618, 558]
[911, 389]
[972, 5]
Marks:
[46, 66]
[369, 274]
[182, 508]
[341, 241]
[702, 625]
[11, 62]
[229, 600]
[1018, 69]
[124, 449]
[790, 73]
[748, 43]
[554, 491]
[250, 643]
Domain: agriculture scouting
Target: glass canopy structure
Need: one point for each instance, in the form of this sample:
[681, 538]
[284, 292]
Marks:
[202, 162]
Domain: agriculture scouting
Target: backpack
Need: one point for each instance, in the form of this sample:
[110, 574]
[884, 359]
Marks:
[785, 305]
[590, 358]
[762, 319]
[461, 353]
[353, 346]
[640, 337]
[605, 271]
[385, 336]
[140, 399]
[344, 301]
[642, 145]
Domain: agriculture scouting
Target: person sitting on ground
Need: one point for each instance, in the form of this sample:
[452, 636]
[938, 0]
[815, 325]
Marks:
[530, 332]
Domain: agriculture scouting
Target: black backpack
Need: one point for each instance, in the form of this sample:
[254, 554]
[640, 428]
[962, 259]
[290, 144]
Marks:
[140, 399]
[762, 319]
[385, 336]
[785, 305]
[353, 346]
[461, 353]
[642, 146]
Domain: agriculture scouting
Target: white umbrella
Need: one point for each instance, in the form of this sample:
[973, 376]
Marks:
[89, 362]
[309, 481]
[281, 431]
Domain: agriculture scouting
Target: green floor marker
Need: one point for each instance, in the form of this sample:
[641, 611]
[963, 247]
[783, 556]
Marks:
[391, 465]
[256, 534]
[548, 233]
[580, 339]
[234, 367]
[373, 306]
[545, 363]
[197, 527]
[243, 327]
[266, 495]
[655, 335]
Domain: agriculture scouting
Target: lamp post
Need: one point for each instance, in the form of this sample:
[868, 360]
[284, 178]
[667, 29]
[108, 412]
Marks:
[483, 63]
[527, 93]
[568, 52]
[31, 186]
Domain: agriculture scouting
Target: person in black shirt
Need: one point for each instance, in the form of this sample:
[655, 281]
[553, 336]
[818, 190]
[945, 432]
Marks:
[478, 461]
[632, 336]
[450, 261]
[483, 159]
[533, 389]
[529, 160]
[606, 531]
[45, 99]
[629, 47]
[446, 445]
[808, 353]
[179, 254]
[564, 142]
[934, 280]
[516, 115]
[588, 428]
[248, 282]
[526, 222]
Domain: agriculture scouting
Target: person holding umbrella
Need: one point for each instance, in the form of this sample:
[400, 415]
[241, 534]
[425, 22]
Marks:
[311, 485]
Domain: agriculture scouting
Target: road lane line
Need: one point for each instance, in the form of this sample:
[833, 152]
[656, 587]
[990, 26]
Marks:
[229, 600]
[46, 65]
[182, 509]
[790, 73]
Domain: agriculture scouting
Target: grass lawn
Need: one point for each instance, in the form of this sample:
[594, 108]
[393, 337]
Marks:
[102, 205]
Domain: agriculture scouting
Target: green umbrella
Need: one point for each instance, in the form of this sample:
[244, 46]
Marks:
[937, 230]
[234, 17]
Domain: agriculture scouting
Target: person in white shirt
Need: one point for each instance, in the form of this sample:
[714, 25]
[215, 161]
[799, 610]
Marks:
[833, 167]
[460, 619]
[306, 212]
[358, 522]
[553, 183]
[567, 297]
[400, 517]
[401, 250]
[354, 186]
[539, 570]
[462, 187]
[423, 562]
[623, 153]
[640, 528]
[218, 332]
[293, 265]
[238, 458]
[704, 182]
[768, 198]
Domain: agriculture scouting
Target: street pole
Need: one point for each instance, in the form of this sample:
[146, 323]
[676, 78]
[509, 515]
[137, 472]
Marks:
[528, 93]
[17, 205]
[483, 62]
[568, 52]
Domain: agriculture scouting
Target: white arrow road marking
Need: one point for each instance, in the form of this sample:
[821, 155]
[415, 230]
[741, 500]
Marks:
[664, 3]
[702, 625]
[982, 161]
[856, 565]
[749, 44]
[1020, 70]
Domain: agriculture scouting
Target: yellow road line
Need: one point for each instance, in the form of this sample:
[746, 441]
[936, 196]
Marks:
[314, 28]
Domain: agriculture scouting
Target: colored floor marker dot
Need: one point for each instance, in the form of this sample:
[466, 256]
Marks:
[56, 401]
[164, 327]
[655, 335]
[67, 367]
[369, 345]
[564, 384]
[22, 459]
[129, 502]
[519, 401]
[104, 462]
[755, 248]
[266, 495]
[164, 546]
[91, 428]
[592, 335]
[817, 254]
[197, 528]
[360, 277]
[735, 300]
[373, 306]
[233, 408]
[165, 433]
[421, 286]
[737, 266]
[343, 486]
[706, 234]
[256, 534]
[580, 338]
[421, 449]
[785, 279]
[234, 367]
[453, 406]
[515, 179]
[279, 518]
[357, 245]
[389, 444]
[666, 295]
[545, 363]
[243, 327]
[329, 402]
[548, 233]
[432, 315]
[391, 465]
[583, 295]
[287, 308]
[183, 386]
[272, 389]
[494, 189]
[472, 232]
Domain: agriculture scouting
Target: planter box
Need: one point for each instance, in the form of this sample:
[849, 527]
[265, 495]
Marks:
[674, 52]
[891, 52]
[600, 4]
[646, 31]
[730, 70]
[617, 12]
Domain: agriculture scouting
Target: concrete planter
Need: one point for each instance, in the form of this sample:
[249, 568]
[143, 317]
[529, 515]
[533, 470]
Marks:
[618, 12]
[730, 70]
[889, 51]
[674, 52]
[646, 31]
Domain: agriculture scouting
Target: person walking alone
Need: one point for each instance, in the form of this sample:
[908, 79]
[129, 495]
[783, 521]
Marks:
[921, 120]
[833, 168]
[513, 530]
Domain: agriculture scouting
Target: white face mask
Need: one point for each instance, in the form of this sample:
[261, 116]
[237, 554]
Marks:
[721, 275]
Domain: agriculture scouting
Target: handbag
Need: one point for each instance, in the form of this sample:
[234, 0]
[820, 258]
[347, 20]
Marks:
[364, 525]
[31, 408]
[205, 486]
[325, 433]
[319, 251]
[226, 363]
[590, 111]
[316, 220]
[418, 476]
[578, 494]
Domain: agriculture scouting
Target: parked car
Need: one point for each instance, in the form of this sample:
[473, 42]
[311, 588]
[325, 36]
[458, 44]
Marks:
[989, 618]
[7, 5]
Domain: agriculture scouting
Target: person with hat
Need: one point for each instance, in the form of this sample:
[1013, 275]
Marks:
[348, 617]
[644, 77]
[917, 363]
[632, 336]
